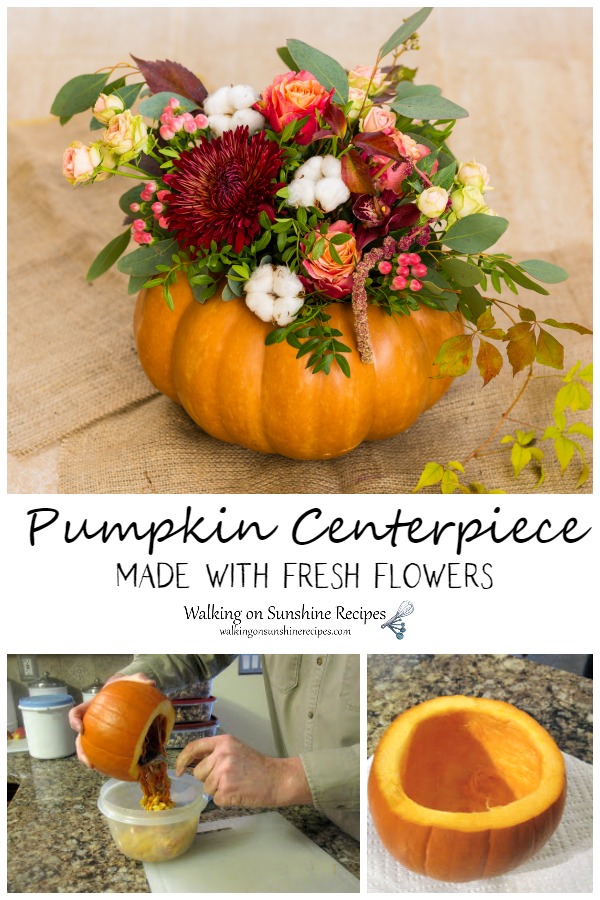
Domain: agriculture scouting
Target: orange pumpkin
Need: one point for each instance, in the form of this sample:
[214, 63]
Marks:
[212, 359]
[126, 724]
[463, 788]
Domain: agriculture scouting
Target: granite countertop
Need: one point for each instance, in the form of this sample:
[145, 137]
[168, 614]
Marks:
[560, 701]
[59, 842]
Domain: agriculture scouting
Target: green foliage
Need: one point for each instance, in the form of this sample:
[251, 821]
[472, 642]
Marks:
[428, 106]
[405, 31]
[311, 336]
[475, 233]
[109, 255]
[326, 70]
[153, 106]
[77, 95]
[528, 450]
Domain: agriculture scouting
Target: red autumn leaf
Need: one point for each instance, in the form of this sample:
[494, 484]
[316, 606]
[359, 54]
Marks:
[489, 361]
[164, 75]
[455, 356]
[521, 352]
[376, 143]
[333, 116]
[356, 174]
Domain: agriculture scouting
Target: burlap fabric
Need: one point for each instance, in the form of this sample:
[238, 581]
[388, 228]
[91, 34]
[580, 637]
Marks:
[74, 376]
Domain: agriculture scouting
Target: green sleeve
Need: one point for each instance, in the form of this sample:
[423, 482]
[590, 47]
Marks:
[173, 672]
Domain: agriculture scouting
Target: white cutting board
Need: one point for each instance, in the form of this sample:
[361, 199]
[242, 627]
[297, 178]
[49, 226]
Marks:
[248, 854]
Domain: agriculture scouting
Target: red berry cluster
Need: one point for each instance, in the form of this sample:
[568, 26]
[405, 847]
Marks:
[408, 264]
[139, 229]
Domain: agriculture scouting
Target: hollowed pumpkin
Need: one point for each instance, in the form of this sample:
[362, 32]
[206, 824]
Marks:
[212, 359]
[462, 788]
[126, 725]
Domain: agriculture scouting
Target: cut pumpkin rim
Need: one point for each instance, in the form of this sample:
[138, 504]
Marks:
[390, 758]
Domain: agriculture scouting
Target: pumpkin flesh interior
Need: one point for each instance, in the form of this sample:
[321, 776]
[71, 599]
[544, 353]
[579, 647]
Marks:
[462, 762]
[152, 777]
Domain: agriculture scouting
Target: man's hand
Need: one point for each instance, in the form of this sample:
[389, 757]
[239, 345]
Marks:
[77, 713]
[236, 775]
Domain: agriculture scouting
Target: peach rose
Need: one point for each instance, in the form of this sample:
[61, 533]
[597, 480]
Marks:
[363, 77]
[126, 135]
[294, 95]
[394, 174]
[327, 275]
[81, 162]
[379, 118]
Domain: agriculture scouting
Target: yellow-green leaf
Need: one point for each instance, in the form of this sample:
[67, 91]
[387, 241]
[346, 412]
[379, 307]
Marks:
[581, 428]
[431, 474]
[525, 437]
[455, 356]
[549, 351]
[455, 464]
[519, 458]
[449, 482]
[564, 449]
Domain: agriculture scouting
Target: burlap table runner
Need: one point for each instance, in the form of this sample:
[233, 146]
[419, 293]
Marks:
[74, 375]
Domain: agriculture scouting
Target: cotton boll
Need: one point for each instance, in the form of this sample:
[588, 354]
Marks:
[330, 193]
[250, 117]
[219, 103]
[301, 192]
[285, 309]
[261, 280]
[285, 283]
[218, 124]
[311, 169]
[261, 305]
[332, 167]
[242, 96]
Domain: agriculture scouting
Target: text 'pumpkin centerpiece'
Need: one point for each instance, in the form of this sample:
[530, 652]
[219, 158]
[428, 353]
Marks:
[310, 257]
[463, 788]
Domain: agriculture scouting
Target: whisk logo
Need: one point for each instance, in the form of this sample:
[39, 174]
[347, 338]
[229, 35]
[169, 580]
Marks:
[395, 623]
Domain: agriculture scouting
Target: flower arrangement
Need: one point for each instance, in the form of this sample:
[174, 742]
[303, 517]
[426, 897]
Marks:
[327, 186]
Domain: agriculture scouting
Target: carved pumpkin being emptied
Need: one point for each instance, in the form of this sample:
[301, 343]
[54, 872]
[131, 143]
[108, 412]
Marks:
[462, 788]
[126, 725]
[212, 359]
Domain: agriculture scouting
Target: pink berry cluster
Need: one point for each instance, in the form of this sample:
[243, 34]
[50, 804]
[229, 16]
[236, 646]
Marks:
[173, 119]
[139, 228]
[408, 264]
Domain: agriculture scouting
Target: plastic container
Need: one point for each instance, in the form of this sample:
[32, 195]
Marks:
[192, 691]
[194, 710]
[152, 836]
[46, 721]
[190, 731]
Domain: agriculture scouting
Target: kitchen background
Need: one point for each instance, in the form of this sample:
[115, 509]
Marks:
[241, 705]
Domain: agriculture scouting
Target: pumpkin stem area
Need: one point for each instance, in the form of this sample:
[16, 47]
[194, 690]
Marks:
[463, 763]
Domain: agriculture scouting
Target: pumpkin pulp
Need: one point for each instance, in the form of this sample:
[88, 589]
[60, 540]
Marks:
[153, 778]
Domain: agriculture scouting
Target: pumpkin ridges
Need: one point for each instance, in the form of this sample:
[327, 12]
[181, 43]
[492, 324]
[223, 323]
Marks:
[291, 411]
[116, 723]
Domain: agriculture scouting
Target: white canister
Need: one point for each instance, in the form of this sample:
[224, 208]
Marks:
[46, 721]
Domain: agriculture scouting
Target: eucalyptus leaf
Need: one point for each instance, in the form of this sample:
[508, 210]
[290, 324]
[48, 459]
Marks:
[285, 55]
[519, 278]
[153, 106]
[326, 70]
[109, 255]
[544, 271]
[409, 88]
[471, 303]
[444, 178]
[136, 283]
[406, 30]
[129, 93]
[144, 260]
[78, 94]
[475, 233]
[428, 106]
[464, 273]
[129, 197]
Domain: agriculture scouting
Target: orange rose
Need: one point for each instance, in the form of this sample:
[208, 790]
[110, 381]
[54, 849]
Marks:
[327, 275]
[294, 95]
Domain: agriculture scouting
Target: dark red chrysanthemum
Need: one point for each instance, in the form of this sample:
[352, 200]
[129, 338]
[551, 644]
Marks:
[219, 189]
